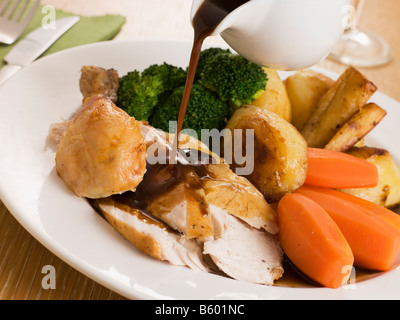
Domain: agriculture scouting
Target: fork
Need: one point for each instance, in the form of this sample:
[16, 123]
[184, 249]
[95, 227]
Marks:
[13, 19]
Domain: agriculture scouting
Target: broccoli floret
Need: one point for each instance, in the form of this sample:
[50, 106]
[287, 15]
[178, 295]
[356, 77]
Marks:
[205, 56]
[139, 93]
[205, 111]
[171, 77]
[234, 78]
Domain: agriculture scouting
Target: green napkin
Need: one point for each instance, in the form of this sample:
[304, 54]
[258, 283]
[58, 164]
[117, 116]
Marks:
[87, 30]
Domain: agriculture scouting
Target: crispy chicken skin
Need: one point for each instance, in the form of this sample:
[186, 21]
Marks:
[93, 81]
[96, 80]
[102, 151]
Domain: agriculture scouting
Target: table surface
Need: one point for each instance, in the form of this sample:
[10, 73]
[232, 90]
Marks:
[22, 257]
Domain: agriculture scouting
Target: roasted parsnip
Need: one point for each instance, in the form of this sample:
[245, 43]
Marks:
[359, 125]
[348, 95]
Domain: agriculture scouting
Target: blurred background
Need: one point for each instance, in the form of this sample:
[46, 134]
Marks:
[22, 257]
[157, 19]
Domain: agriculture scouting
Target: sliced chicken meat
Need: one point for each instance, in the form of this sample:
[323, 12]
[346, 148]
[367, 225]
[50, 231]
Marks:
[243, 252]
[239, 197]
[184, 209]
[102, 151]
[173, 193]
[240, 239]
[221, 186]
[152, 237]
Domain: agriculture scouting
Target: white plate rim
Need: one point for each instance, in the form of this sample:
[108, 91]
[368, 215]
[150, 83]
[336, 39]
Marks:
[134, 290]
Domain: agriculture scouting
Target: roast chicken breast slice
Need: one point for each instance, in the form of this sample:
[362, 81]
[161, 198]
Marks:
[224, 189]
[239, 197]
[183, 206]
[233, 193]
[242, 244]
[102, 151]
[152, 237]
[243, 252]
[185, 210]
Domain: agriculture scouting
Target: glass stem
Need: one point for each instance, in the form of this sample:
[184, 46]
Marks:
[359, 8]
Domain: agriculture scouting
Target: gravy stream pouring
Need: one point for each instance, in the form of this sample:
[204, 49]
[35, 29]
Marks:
[209, 15]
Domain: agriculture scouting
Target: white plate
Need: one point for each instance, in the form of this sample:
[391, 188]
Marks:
[48, 91]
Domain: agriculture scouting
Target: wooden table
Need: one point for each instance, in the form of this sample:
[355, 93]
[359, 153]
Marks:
[22, 257]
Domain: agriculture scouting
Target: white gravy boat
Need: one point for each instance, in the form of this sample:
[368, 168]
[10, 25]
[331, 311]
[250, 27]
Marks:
[283, 34]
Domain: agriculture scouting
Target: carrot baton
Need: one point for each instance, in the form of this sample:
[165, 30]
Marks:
[333, 169]
[313, 242]
[375, 242]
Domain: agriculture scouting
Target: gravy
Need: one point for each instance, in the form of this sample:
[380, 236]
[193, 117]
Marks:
[160, 179]
[208, 17]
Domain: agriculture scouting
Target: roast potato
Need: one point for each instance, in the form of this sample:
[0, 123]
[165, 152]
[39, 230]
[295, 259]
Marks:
[387, 192]
[275, 97]
[304, 89]
[279, 151]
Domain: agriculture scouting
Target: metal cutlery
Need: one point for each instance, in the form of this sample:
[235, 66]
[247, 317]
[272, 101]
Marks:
[32, 46]
[14, 17]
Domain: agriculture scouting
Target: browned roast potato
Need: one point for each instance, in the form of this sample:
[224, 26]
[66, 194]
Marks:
[279, 151]
[387, 192]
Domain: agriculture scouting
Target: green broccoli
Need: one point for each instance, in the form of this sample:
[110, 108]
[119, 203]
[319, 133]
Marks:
[234, 78]
[139, 93]
[205, 111]
[205, 56]
[171, 77]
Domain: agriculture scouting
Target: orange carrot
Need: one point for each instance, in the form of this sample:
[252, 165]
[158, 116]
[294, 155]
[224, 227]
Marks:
[313, 241]
[333, 169]
[375, 242]
[371, 207]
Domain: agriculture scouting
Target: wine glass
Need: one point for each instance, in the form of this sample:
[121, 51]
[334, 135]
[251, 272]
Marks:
[360, 47]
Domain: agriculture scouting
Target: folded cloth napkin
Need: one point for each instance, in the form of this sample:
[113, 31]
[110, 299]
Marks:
[87, 30]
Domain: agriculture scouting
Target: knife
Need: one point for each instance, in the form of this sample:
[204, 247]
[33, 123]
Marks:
[32, 46]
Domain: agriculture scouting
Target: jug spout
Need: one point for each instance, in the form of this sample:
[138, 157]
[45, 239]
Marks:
[280, 34]
[229, 14]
